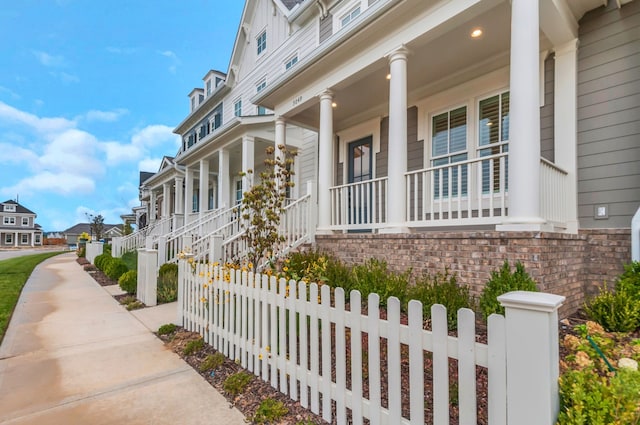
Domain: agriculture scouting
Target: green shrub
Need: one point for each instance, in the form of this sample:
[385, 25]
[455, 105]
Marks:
[616, 311]
[129, 282]
[101, 260]
[501, 282]
[115, 268]
[374, 277]
[236, 383]
[589, 398]
[168, 283]
[442, 289]
[106, 248]
[167, 329]
[269, 412]
[629, 281]
[212, 361]
[308, 265]
[193, 347]
[131, 259]
[339, 276]
[82, 252]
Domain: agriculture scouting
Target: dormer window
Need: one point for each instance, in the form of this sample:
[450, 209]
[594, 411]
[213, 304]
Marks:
[193, 103]
[208, 87]
[9, 208]
[350, 16]
[261, 41]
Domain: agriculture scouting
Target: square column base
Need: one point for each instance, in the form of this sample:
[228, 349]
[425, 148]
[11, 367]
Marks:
[394, 229]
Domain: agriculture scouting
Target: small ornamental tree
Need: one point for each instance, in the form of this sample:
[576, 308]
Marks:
[263, 204]
[97, 226]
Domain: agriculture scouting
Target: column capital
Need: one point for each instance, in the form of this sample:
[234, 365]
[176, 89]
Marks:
[568, 47]
[400, 52]
[179, 179]
[326, 95]
[280, 120]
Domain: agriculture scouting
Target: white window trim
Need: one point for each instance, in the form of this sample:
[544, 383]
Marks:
[8, 238]
[22, 237]
[235, 104]
[27, 221]
[470, 131]
[347, 8]
[261, 54]
[477, 99]
[289, 59]
[7, 221]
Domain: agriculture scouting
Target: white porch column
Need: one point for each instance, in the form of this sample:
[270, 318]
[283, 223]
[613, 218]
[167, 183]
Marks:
[325, 162]
[153, 206]
[15, 239]
[565, 123]
[397, 143]
[280, 139]
[248, 159]
[223, 179]
[188, 193]
[203, 204]
[166, 197]
[524, 119]
[178, 207]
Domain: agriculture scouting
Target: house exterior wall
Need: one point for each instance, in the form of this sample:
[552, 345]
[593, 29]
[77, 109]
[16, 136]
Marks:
[563, 264]
[547, 111]
[609, 115]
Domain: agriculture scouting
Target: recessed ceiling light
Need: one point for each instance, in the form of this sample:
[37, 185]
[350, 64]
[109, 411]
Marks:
[476, 33]
[388, 76]
[334, 104]
[489, 124]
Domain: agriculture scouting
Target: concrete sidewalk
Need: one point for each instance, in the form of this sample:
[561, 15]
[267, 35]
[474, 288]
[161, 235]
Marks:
[73, 355]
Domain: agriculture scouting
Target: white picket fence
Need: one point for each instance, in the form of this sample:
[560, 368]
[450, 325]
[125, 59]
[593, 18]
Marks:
[282, 332]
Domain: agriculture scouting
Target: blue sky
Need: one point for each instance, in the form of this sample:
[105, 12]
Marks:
[90, 92]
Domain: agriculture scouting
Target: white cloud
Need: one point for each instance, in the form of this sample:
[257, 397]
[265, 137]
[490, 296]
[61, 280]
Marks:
[156, 135]
[118, 153]
[65, 77]
[18, 155]
[63, 183]
[105, 116]
[73, 151]
[9, 115]
[150, 164]
[51, 61]
[169, 54]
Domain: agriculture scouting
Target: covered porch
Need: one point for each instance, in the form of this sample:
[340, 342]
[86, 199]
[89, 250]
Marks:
[463, 116]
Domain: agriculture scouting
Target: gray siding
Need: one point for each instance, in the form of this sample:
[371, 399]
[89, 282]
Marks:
[609, 115]
[382, 157]
[546, 112]
[326, 27]
[308, 160]
[415, 147]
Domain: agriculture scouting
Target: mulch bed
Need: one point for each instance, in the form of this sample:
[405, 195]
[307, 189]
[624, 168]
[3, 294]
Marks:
[97, 275]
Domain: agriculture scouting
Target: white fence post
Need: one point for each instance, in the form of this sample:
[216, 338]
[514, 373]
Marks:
[142, 273]
[93, 249]
[215, 248]
[312, 212]
[183, 266]
[151, 281]
[116, 247]
[532, 357]
[162, 250]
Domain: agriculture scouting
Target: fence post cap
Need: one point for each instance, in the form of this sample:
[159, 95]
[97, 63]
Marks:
[536, 301]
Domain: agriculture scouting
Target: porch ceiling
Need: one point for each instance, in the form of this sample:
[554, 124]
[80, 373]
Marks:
[439, 59]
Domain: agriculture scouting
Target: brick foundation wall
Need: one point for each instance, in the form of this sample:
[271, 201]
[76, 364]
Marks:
[568, 265]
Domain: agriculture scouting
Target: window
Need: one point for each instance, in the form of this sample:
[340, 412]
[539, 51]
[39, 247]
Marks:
[347, 18]
[195, 200]
[262, 42]
[25, 221]
[237, 108]
[208, 87]
[217, 120]
[292, 61]
[9, 208]
[259, 87]
[193, 103]
[493, 138]
[37, 240]
[10, 221]
[238, 194]
[8, 238]
[24, 238]
[448, 146]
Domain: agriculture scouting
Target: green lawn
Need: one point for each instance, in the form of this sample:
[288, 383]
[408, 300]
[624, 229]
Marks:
[14, 273]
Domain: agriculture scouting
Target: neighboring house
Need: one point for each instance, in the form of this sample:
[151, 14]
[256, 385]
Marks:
[18, 227]
[453, 134]
[73, 233]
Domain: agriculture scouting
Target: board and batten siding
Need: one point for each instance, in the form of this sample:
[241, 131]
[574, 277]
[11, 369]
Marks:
[415, 147]
[547, 150]
[609, 115]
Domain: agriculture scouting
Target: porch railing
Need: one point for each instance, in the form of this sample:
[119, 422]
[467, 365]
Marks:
[554, 193]
[359, 206]
[138, 238]
[466, 192]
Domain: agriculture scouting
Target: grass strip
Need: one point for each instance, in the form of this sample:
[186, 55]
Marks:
[14, 273]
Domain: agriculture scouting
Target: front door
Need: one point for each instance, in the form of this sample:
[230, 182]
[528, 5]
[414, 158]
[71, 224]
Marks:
[360, 170]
